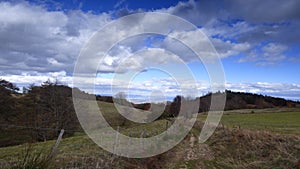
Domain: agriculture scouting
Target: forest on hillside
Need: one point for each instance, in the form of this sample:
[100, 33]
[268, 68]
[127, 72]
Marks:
[38, 108]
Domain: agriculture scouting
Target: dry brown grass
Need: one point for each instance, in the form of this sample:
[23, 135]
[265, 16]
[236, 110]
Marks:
[240, 148]
[227, 148]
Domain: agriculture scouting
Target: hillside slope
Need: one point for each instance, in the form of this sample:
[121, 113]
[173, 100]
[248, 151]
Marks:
[227, 148]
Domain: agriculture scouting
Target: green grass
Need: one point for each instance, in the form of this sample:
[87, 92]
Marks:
[78, 148]
[14, 136]
[282, 123]
[266, 110]
[81, 147]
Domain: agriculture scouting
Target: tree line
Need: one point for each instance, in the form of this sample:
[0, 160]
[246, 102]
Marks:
[43, 109]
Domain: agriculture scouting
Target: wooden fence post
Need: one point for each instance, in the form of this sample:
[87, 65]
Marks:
[116, 140]
[142, 140]
[167, 126]
[54, 149]
[128, 144]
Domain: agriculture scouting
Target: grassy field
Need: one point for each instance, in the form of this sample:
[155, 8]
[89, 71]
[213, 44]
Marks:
[280, 122]
[263, 140]
[229, 148]
[266, 110]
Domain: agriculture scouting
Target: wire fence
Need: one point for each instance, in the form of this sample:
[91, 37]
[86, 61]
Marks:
[98, 158]
[281, 128]
[137, 131]
[69, 153]
[7, 126]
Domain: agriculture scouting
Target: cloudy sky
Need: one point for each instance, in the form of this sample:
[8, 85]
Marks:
[258, 43]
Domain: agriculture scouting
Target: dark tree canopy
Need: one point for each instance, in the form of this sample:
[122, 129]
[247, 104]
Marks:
[47, 106]
[6, 85]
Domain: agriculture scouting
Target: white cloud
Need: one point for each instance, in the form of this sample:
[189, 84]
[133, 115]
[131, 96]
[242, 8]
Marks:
[270, 54]
[187, 44]
[36, 78]
[274, 51]
[52, 41]
[244, 23]
[37, 44]
[34, 39]
[122, 59]
[227, 31]
[228, 48]
[143, 89]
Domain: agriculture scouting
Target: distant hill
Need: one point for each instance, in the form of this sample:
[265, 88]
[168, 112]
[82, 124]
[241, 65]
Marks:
[234, 100]
[241, 100]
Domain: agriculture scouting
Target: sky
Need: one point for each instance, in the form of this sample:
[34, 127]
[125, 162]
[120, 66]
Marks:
[258, 43]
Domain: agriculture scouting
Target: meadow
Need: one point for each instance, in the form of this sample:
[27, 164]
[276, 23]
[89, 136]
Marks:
[242, 140]
[277, 122]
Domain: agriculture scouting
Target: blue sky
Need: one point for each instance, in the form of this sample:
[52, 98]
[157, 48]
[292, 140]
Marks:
[258, 43]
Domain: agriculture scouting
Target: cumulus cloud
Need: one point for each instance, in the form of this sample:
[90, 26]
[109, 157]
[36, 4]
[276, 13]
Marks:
[37, 43]
[25, 79]
[197, 12]
[228, 48]
[34, 39]
[247, 23]
[269, 54]
[264, 11]
[203, 12]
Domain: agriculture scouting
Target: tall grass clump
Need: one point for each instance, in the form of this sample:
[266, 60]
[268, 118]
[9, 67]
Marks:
[34, 159]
